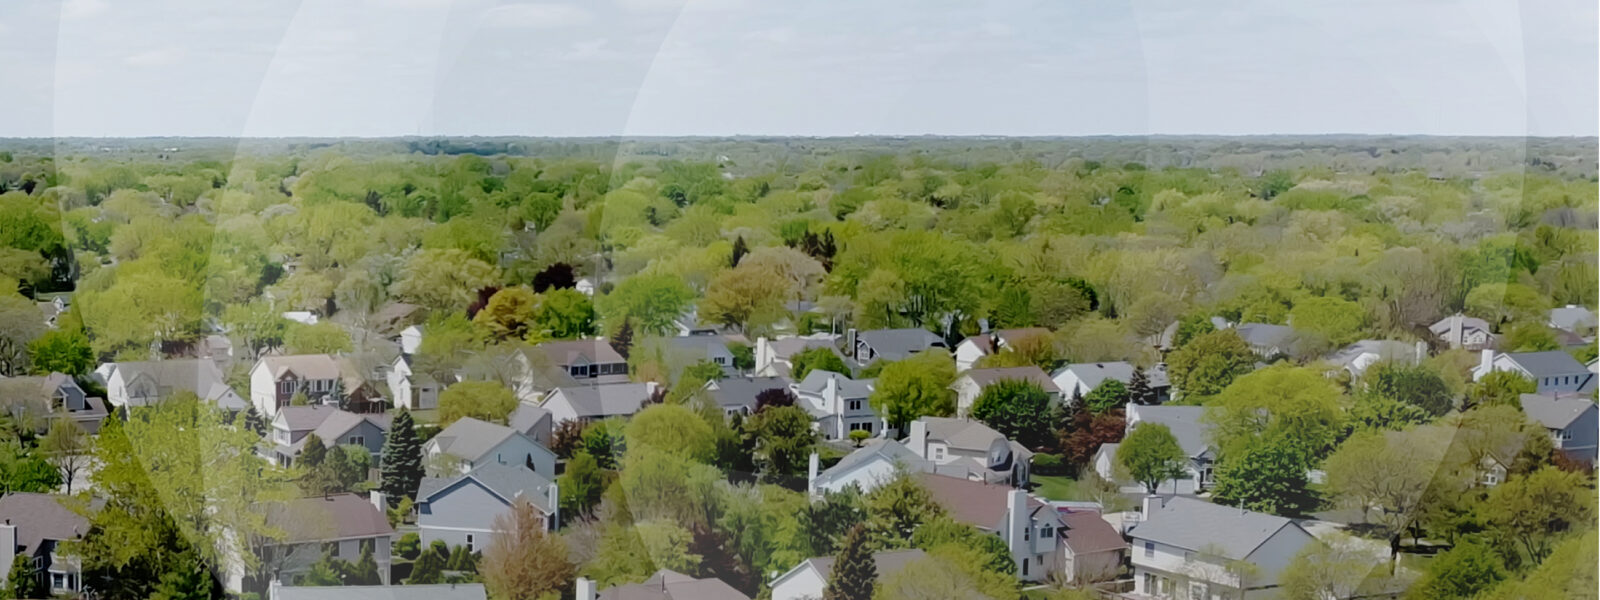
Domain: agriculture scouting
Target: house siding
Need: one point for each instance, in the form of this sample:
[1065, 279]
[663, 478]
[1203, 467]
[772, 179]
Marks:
[459, 510]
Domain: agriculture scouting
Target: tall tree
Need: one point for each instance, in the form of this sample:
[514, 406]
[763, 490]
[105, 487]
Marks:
[1207, 364]
[62, 351]
[1018, 409]
[523, 561]
[1110, 394]
[1139, 391]
[653, 302]
[622, 340]
[783, 442]
[805, 361]
[740, 249]
[1416, 385]
[1538, 509]
[1152, 455]
[402, 460]
[508, 314]
[483, 400]
[915, 387]
[854, 571]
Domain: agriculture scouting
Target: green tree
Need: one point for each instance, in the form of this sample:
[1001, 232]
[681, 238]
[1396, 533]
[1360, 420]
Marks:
[1460, 572]
[1536, 510]
[326, 337]
[1191, 327]
[365, 570]
[895, 510]
[784, 441]
[944, 531]
[402, 460]
[630, 554]
[1271, 427]
[1337, 320]
[605, 442]
[523, 561]
[1335, 568]
[745, 299]
[61, 351]
[1500, 388]
[1139, 391]
[1265, 475]
[508, 314]
[854, 571]
[444, 279]
[916, 387]
[1207, 364]
[673, 429]
[581, 485]
[1568, 573]
[564, 314]
[1504, 302]
[652, 303]
[23, 581]
[1152, 455]
[1415, 385]
[428, 568]
[253, 422]
[482, 400]
[1419, 469]
[805, 361]
[1110, 394]
[1018, 409]
[66, 446]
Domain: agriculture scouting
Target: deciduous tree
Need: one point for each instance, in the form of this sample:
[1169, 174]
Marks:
[1152, 455]
[1018, 409]
[523, 561]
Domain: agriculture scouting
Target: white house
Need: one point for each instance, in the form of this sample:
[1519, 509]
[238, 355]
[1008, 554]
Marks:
[469, 444]
[976, 347]
[807, 580]
[1192, 433]
[461, 509]
[274, 380]
[1356, 358]
[1551, 371]
[971, 383]
[1461, 331]
[411, 339]
[1081, 378]
[838, 404]
[877, 462]
[969, 450]
[772, 356]
[411, 390]
[1188, 549]
[146, 382]
[585, 286]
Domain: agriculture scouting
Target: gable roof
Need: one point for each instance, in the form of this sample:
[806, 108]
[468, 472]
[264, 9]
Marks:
[1093, 374]
[526, 416]
[735, 392]
[1390, 350]
[896, 344]
[41, 517]
[1547, 364]
[1087, 533]
[874, 450]
[1572, 318]
[437, 591]
[979, 504]
[671, 585]
[985, 341]
[1201, 526]
[568, 352]
[306, 366]
[1555, 412]
[604, 400]
[197, 375]
[335, 517]
[817, 380]
[709, 344]
[342, 422]
[1265, 335]
[305, 418]
[506, 481]
[888, 562]
[1185, 422]
[1030, 373]
[1443, 326]
[962, 434]
[471, 438]
[783, 348]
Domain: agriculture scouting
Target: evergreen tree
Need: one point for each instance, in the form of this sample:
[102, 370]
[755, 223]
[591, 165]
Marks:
[740, 249]
[23, 582]
[1139, 391]
[402, 460]
[253, 422]
[429, 568]
[365, 571]
[313, 452]
[854, 572]
[622, 342]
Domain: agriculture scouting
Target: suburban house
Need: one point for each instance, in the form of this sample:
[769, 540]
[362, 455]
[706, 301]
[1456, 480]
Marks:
[1552, 371]
[738, 394]
[469, 444]
[533, 421]
[411, 339]
[772, 356]
[146, 382]
[586, 361]
[461, 509]
[31, 527]
[50, 309]
[410, 389]
[1028, 525]
[1078, 379]
[873, 464]
[322, 378]
[973, 348]
[1461, 331]
[53, 395]
[695, 348]
[867, 347]
[969, 450]
[588, 403]
[393, 317]
[1573, 319]
[971, 384]
[1193, 549]
[333, 426]
[690, 324]
[1193, 437]
[1091, 549]
[339, 525]
[838, 404]
[1267, 340]
[807, 580]
[1573, 422]
[434, 591]
[664, 585]
[1356, 358]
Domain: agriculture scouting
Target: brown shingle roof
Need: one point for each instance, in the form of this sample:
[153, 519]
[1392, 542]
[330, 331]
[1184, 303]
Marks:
[1088, 533]
[40, 517]
[337, 517]
[975, 503]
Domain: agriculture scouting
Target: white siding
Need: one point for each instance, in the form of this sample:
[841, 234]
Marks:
[804, 584]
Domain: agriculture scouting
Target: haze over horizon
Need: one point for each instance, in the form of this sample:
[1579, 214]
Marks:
[716, 68]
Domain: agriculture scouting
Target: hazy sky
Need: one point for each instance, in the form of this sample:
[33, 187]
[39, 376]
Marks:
[718, 67]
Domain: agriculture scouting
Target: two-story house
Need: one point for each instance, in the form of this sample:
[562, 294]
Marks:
[1188, 549]
[970, 384]
[322, 378]
[867, 347]
[589, 403]
[969, 450]
[143, 383]
[461, 509]
[1552, 371]
[586, 361]
[738, 394]
[875, 463]
[772, 356]
[970, 350]
[1573, 422]
[32, 528]
[1028, 525]
[52, 396]
[333, 426]
[411, 389]
[469, 444]
[838, 404]
[342, 526]
[1461, 331]
[1193, 434]
[1078, 379]
[286, 432]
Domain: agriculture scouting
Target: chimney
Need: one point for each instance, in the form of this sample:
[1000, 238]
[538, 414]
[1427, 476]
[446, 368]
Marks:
[830, 395]
[1456, 323]
[850, 340]
[378, 501]
[1017, 525]
[8, 548]
[1486, 364]
[650, 389]
[553, 495]
[917, 438]
[1152, 503]
[811, 477]
[763, 353]
[585, 589]
[1422, 351]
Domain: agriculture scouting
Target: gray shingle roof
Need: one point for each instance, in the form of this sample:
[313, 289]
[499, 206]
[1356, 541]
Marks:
[41, 517]
[1265, 335]
[671, 585]
[1201, 526]
[817, 380]
[1185, 422]
[470, 438]
[341, 422]
[1572, 318]
[571, 351]
[1555, 412]
[1093, 374]
[1547, 364]
[961, 434]
[526, 416]
[735, 392]
[336, 517]
[307, 366]
[441, 591]
[985, 377]
[890, 450]
[305, 418]
[896, 344]
[606, 399]
[506, 481]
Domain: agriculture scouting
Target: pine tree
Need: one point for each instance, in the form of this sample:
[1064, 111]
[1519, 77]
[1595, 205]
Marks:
[1139, 391]
[740, 249]
[853, 570]
[313, 452]
[253, 422]
[429, 568]
[622, 342]
[23, 582]
[402, 460]
[365, 571]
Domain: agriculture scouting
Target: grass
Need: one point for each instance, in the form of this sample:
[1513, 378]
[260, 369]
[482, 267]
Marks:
[1058, 487]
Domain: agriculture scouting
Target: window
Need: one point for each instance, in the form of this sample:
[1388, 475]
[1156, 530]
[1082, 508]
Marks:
[359, 440]
[331, 549]
[1491, 478]
[1025, 562]
[938, 453]
[470, 547]
[1563, 435]
[855, 405]
[1047, 532]
[1149, 549]
[1027, 533]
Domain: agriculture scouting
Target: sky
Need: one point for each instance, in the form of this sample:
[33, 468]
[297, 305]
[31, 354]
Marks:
[371, 68]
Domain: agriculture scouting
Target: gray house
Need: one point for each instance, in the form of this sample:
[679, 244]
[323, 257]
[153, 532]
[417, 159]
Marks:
[1573, 422]
[1552, 371]
[342, 525]
[1267, 340]
[461, 510]
[838, 404]
[470, 444]
[32, 526]
[53, 395]
[890, 344]
[738, 394]
[696, 348]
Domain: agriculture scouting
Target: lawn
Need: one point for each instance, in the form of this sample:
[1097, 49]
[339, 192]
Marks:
[1058, 487]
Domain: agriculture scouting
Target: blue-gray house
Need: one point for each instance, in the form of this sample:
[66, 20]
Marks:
[461, 510]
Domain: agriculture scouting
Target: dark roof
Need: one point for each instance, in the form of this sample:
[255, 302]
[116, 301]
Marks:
[526, 417]
[336, 517]
[1547, 364]
[470, 438]
[896, 344]
[606, 399]
[735, 392]
[979, 504]
[1265, 334]
[570, 351]
[817, 380]
[985, 377]
[41, 517]
[506, 481]
[1088, 533]
[984, 341]
[670, 585]
[1185, 422]
[1555, 412]
[305, 418]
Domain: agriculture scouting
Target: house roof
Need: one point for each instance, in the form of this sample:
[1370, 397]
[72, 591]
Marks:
[962, 434]
[1572, 318]
[1088, 533]
[877, 449]
[41, 517]
[341, 422]
[1201, 526]
[305, 418]
[896, 344]
[1093, 374]
[985, 341]
[197, 375]
[1443, 326]
[439, 591]
[888, 562]
[506, 481]
[470, 438]
[671, 585]
[1391, 350]
[700, 343]
[734, 392]
[1185, 422]
[1547, 364]
[784, 348]
[1030, 373]
[817, 380]
[307, 366]
[571, 351]
[335, 517]
[982, 505]
[1555, 412]
[606, 399]
[526, 416]
[1265, 335]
